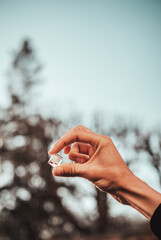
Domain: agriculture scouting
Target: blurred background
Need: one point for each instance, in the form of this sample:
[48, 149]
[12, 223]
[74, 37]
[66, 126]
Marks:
[70, 62]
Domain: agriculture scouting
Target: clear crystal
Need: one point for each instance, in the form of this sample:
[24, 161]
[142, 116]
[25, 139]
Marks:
[55, 160]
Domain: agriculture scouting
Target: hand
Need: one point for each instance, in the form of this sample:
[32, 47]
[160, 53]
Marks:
[97, 160]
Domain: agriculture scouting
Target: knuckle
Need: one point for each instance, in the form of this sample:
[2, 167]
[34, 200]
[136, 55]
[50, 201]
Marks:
[72, 170]
[107, 140]
[80, 127]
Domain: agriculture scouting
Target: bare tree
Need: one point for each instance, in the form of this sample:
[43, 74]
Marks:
[29, 203]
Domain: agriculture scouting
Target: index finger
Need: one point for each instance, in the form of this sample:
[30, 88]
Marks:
[75, 136]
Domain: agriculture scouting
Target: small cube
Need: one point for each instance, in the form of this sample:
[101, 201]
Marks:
[55, 160]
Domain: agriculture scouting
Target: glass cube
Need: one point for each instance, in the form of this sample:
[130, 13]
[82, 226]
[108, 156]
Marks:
[55, 160]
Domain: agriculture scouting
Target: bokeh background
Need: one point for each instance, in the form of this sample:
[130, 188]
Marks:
[65, 63]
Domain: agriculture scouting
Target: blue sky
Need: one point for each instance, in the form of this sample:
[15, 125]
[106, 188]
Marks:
[103, 55]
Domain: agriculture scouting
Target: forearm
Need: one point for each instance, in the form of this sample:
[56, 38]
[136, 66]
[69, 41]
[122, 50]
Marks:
[140, 196]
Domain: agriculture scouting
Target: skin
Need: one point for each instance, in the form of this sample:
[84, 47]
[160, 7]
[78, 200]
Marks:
[96, 159]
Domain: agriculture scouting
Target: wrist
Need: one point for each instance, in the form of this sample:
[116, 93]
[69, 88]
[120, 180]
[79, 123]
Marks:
[139, 195]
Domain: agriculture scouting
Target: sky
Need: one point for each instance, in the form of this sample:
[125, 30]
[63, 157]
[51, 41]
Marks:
[96, 55]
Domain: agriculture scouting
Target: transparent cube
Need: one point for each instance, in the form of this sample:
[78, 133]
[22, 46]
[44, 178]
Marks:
[55, 160]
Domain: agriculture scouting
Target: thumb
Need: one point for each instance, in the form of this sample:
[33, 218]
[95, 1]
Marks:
[70, 170]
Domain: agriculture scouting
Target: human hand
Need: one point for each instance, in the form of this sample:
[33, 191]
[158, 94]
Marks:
[96, 158]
